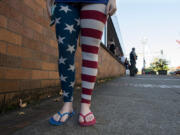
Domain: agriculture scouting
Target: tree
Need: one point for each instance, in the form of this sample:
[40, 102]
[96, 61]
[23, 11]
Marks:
[159, 64]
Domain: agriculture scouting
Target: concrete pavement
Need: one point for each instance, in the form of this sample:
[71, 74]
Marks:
[141, 105]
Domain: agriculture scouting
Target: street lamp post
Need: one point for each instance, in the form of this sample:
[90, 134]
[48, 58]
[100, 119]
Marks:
[144, 42]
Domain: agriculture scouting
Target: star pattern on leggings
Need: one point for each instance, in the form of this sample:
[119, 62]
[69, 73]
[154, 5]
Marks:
[71, 98]
[70, 28]
[67, 27]
[65, 9]
[60, 39]
[70, 48]
[63, 78]
[71, 67]
[62, 60]
[57, 20]
[72, 84]
[77, 21]
[65, 94]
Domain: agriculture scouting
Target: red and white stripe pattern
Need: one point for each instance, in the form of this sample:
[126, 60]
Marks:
[93, 19]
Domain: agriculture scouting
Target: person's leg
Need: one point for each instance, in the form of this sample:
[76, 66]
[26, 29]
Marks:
[132, 68]
[67, 31]
[93, 19]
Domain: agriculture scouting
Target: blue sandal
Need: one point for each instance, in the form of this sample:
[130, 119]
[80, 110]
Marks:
[57, 123]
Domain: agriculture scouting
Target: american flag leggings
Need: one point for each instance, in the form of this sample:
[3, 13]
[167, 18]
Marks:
[89, 21]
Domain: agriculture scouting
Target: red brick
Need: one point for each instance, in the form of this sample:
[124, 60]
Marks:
[37, 55]
[11, 37]
[14, 26]
[16, 16]
[3, 46]
[42, 3]
[30, 84]
[2, 72]
[17, 74]
[9, 12]
[22, 52]
[48, 66]
[49, 33]
[34, 6]
[16, 4]
[53, 75]
[27, 11]
[33, 25]
[49, 83]
[28, 32]
[9, 61]
[35, 17]
[36, 36]
[4, 10]
[13, 50]
[44, 57]
[45, 83]
[45, 14]
[46, 32]
[50, 50]
[53, 59]
[56, 82]
[38, 74]
[53, 43]
[30, 64]
[53, 29]
[41, 38]
[9, 85]
[26, 53]
[32, 44]
[43, 21]
[3, 22]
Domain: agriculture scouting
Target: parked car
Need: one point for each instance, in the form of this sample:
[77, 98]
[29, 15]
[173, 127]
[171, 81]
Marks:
[177, 71]
[149, 72]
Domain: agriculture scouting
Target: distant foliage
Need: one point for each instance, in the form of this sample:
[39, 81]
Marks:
[159, 64]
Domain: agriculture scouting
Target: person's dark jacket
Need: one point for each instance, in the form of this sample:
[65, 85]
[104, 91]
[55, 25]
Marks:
[112, 48]
[133, 56]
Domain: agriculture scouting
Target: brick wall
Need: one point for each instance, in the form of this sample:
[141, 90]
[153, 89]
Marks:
[29, 53]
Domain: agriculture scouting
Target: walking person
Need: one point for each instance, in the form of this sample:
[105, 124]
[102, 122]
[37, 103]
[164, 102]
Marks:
[133, 58]
[71, 18]
[126, 63]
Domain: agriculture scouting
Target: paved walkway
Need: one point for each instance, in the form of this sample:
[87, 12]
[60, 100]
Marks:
[142, 105]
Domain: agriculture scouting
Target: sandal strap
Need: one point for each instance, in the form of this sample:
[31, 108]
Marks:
[88, 114]
[68, 113]
[84, 116]
[61, 115]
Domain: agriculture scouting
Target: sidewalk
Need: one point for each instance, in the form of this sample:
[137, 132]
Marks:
[144, 105]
